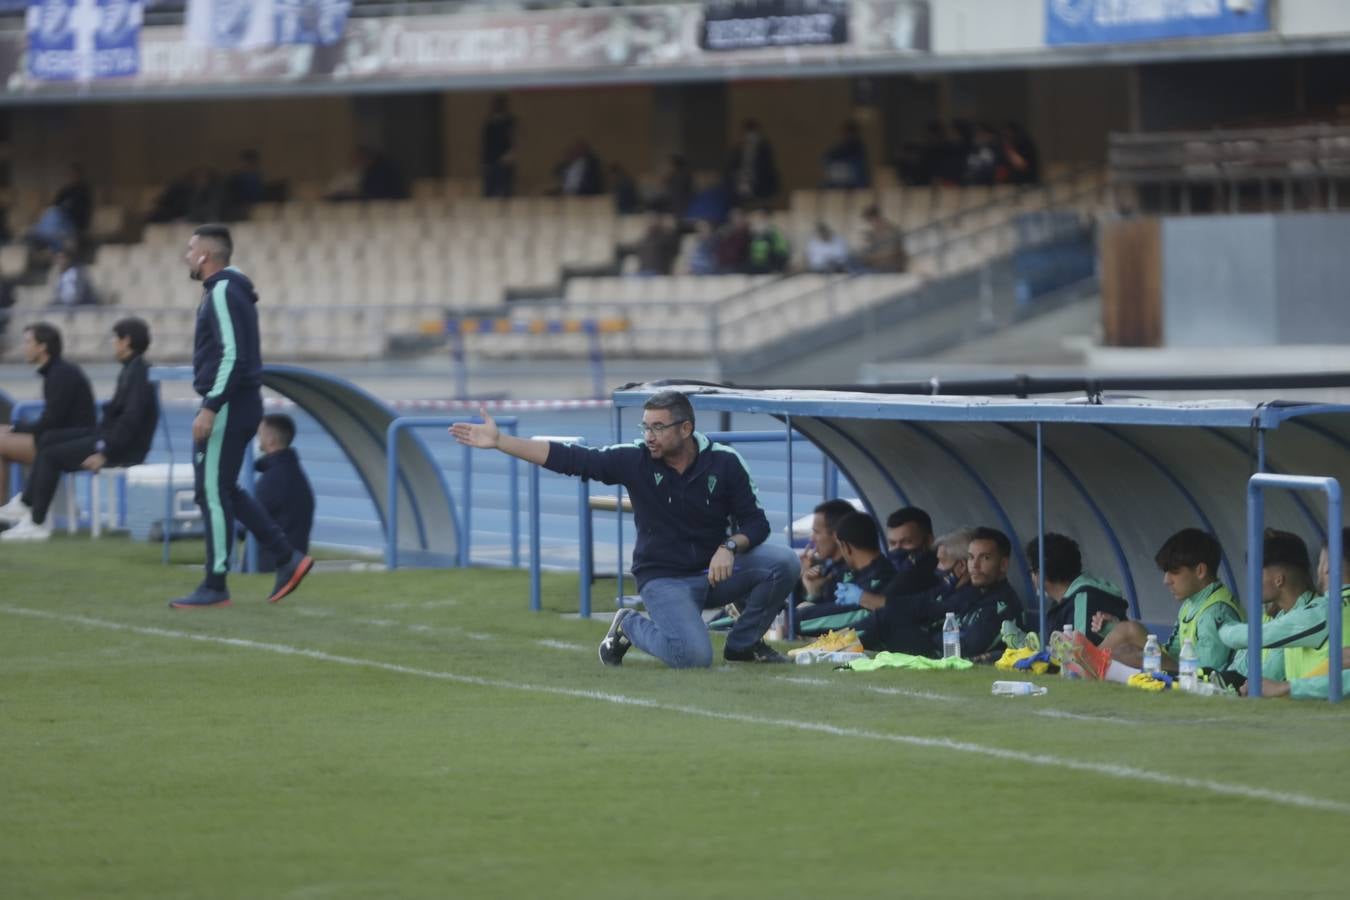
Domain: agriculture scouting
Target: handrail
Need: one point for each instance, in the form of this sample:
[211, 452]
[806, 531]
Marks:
[1256, 510]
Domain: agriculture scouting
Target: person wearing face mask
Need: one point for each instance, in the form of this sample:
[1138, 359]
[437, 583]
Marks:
[227, 373]
[903, 623]
[910, 546]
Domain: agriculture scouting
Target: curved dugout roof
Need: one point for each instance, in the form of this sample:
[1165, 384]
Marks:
[427, 531]
[1120, 476]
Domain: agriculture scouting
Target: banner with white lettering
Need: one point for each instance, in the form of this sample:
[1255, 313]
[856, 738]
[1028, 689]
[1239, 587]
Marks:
[1115, 21]
[255, 24]
[83, 40]
[751, 24]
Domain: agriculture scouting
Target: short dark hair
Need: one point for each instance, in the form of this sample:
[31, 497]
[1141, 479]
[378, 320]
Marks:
[1286, 549]
[282, 425]
[678, 404]
[999, 539]
[833, 511]
[48, 335]
[1187, 549]
[1063, 559]
[906, 514]
[137, 330]
[220, 235]
[858, 531]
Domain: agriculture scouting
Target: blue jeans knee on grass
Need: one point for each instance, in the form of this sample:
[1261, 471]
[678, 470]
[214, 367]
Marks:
[673, 629]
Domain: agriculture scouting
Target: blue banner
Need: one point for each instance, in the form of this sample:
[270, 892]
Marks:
[320, 22]
[1117, 21]
[81, 40]
[251, 24]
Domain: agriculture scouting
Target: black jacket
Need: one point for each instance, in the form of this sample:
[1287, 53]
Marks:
[283, 490]
[914, 572]
[129, 419]
[226, 357]
[680, 519]
[69, 400]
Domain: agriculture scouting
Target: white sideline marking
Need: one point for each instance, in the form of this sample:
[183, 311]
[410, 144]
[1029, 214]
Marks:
[1112, 770]
[917, 695]
[558, 645]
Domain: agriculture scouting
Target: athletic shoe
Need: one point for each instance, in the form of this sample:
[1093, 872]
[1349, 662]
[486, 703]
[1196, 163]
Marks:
[828, 642]
[15, 510]
[202, 598]
[1078, 655]
[27, 530]
[616, 643]
[290, 575]
[758, 652]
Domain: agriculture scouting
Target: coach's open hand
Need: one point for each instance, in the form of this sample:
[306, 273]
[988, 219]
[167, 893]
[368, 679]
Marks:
[719, 569]
[486, 436]
[202, 425]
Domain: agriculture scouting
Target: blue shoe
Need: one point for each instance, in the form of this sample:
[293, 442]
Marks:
[290, 575]
[201, 598]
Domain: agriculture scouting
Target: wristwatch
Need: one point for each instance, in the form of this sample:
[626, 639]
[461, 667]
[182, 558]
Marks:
[730, 544]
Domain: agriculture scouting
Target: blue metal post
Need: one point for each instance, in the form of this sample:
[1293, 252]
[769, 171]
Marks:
[587, 566]
[457, 356]
[534, 539]
[597, 360]
[1040, 530]
[789, 619]
[466, 503]
[618, 510]
[391, 496]
[514, 468]
[831, 480]
[1255, 522]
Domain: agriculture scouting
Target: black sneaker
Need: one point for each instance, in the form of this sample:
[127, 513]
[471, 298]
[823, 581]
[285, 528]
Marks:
[616, 643]
[758, 652]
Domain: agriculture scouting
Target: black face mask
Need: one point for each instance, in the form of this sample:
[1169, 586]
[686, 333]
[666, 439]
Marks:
[900, 559]
[948, 579]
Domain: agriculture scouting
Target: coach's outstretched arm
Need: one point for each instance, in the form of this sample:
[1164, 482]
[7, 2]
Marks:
[488, 436]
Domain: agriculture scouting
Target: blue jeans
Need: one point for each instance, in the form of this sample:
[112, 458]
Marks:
[673, 629]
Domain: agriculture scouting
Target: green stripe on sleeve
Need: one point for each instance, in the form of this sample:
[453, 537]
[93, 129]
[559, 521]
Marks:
[229, 349]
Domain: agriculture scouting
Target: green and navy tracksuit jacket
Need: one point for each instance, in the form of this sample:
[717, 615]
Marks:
[226, 361]
[681, 518]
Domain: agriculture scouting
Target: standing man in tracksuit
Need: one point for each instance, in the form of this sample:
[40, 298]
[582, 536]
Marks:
[700, 534]
[227, 373]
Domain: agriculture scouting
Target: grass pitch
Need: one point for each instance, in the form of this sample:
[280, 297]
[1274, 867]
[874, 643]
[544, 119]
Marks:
[421, 734]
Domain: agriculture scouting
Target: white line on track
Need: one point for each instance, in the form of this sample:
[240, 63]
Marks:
[558, 645]
[1111, 770]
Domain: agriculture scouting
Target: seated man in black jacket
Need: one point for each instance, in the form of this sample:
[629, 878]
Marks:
[68, 402]
[282, 489]
[122, 439]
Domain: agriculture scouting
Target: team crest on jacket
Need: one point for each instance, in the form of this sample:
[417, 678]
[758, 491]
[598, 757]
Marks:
[658, 477]
[712, 483]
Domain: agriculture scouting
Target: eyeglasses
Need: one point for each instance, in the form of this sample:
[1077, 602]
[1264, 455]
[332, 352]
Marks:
[659, 428]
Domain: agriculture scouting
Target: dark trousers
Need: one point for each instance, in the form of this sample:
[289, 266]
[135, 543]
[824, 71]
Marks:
[215, 469]
[58, 451]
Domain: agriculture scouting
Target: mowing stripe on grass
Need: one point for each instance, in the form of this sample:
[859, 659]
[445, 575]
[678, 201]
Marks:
[1111, 770]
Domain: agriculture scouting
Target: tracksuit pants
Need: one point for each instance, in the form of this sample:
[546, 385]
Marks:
[215, 468]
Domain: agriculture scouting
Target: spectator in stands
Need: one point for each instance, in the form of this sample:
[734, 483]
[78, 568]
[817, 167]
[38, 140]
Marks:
[579, 173]
[281, 488]
[1021, 158]
[983, 159]
[244, 186]
[1075, 597]
[1302, 632]
[658, 247]
[845, 164]
[883, 245]
[72, 286]
[76, 200]
[381, 178]
[497, 150]
[68, 403]
[752, 173]
[677, 187]
[122, 439]
[826, 250]
[769, 251]
[701, 534]
[1291, 607]
[703, 256]
[733, 243]
[175, 201]
[821, 569]
[625, 190]
[1189, 561]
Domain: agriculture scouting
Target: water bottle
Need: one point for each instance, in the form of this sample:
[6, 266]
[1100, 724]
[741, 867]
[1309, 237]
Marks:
[1018, 689]
[1187, 666]
[951, 638]
[1152, 655]
[1065, 671]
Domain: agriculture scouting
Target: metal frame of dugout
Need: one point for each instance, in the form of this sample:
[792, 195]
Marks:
[1119, 475]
